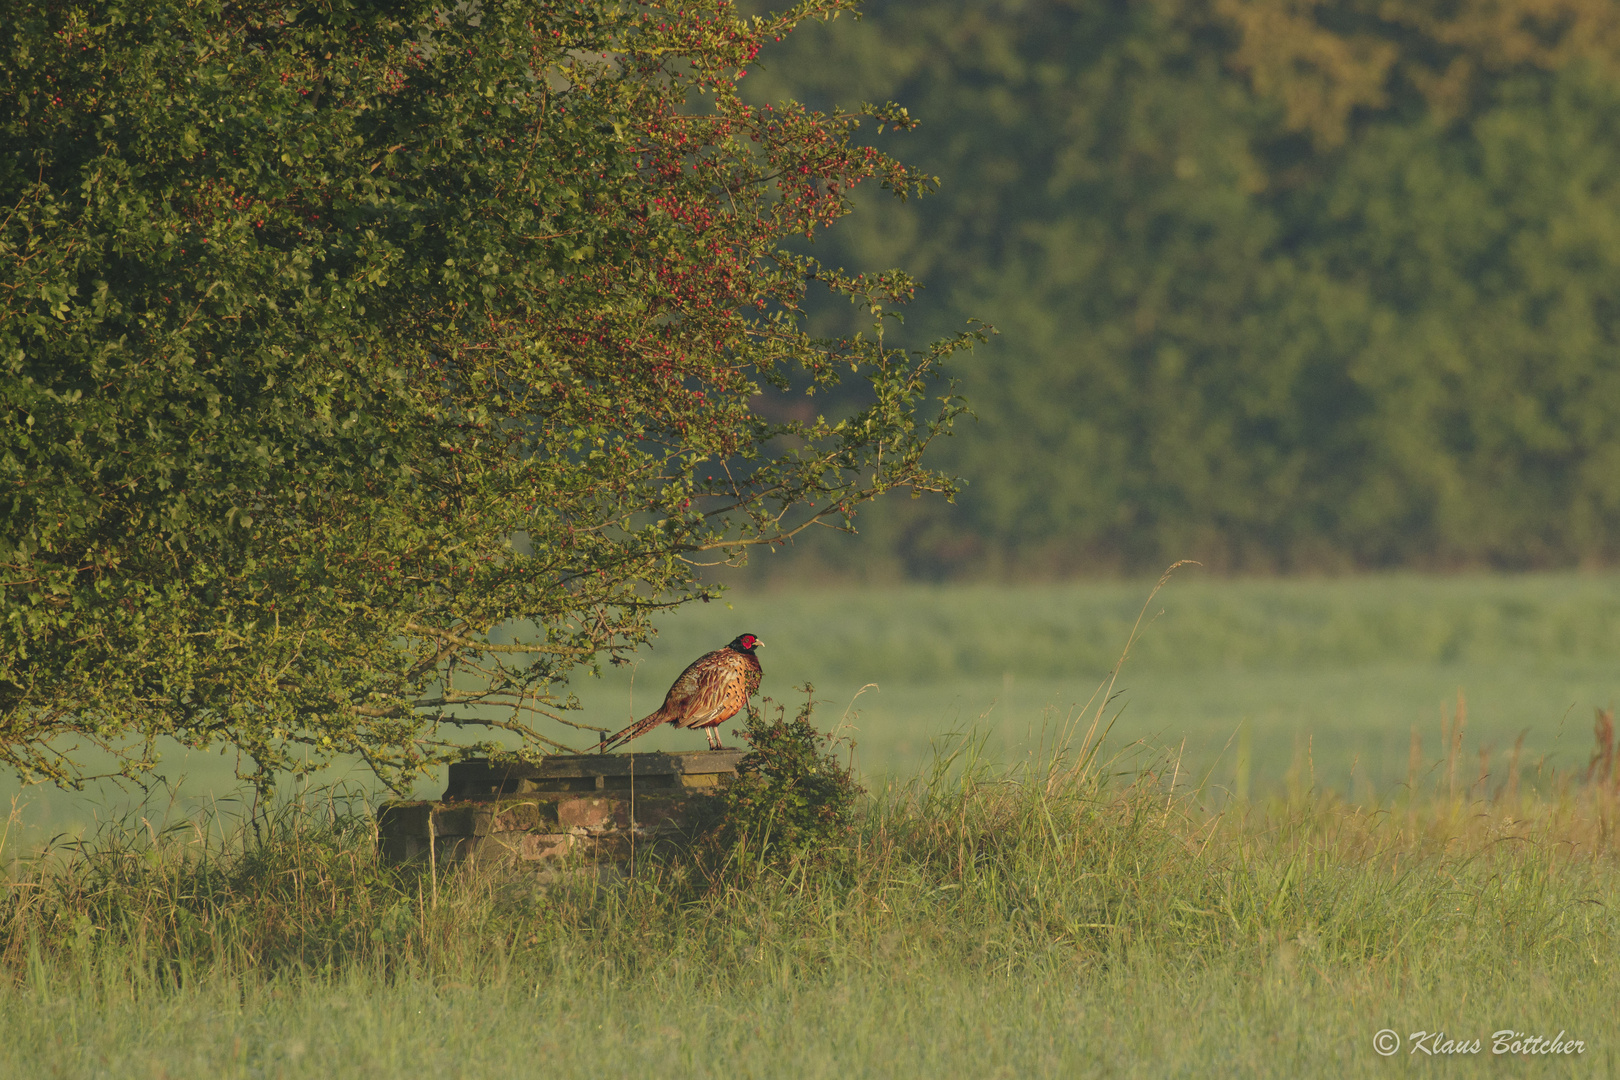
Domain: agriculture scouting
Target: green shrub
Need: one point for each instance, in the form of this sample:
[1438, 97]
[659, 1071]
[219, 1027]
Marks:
[350, 352]
[792, 798]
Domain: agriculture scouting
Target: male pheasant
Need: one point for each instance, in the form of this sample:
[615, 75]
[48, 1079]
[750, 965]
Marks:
[712, 690]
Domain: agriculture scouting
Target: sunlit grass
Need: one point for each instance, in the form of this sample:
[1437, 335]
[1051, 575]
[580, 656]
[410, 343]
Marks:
[1259, 873]
[1054, 920]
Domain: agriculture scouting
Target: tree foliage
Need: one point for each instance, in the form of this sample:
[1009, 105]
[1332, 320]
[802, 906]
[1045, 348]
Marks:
[369, 368]
[1281, 283]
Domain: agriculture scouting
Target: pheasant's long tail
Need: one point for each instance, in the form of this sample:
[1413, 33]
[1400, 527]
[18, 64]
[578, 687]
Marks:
[634, 731]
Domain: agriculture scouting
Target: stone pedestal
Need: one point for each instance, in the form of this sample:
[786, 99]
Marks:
[601, 810]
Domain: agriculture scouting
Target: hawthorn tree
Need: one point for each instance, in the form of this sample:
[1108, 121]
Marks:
[370, 368]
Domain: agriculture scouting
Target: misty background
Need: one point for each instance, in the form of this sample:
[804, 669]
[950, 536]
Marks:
[1279, 287]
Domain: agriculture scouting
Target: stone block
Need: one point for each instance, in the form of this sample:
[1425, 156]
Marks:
[404, 819]
[399, 848]
[578, 818]
[519, 817]
[526, 846]
[605, 846]
[661, 813]
[593, 814]
[481, 778]
[533, 847]
[462, 821]
[454, 849]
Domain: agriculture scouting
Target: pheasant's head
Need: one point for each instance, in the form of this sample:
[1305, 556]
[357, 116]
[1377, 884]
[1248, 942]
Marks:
[745, 643]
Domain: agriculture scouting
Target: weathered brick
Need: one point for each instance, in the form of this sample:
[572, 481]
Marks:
[526, 846]
[398, 847]
[454, 849]
[652, 813]
[591, 827]
[404, 819]
[592, 813]
[517, 817]
[462, 821]
[535, 846]
[606, 846]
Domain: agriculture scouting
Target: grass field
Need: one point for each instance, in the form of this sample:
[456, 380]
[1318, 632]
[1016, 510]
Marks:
[1252, 681]
[1342, 669]
[1243, 882]
[1051, 923]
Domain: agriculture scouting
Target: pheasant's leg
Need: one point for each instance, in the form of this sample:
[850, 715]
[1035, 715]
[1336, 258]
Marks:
[714, 737]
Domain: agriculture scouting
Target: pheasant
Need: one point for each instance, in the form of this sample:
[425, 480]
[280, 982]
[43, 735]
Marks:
[712, 690]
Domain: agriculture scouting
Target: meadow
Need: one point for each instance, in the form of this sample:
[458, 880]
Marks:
[1331, 675]
[1257, 684]
[975, 923]
[1252, 875]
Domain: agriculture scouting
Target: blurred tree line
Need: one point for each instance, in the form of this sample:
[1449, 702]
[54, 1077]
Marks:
[1281, 284]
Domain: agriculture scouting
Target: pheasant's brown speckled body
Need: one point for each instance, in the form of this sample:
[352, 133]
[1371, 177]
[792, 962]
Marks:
[712, 690]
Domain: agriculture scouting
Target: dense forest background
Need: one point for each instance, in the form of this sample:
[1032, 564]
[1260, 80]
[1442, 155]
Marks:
[1280, 284]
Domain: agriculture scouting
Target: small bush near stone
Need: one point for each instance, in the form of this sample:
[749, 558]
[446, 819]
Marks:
[792, 797]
